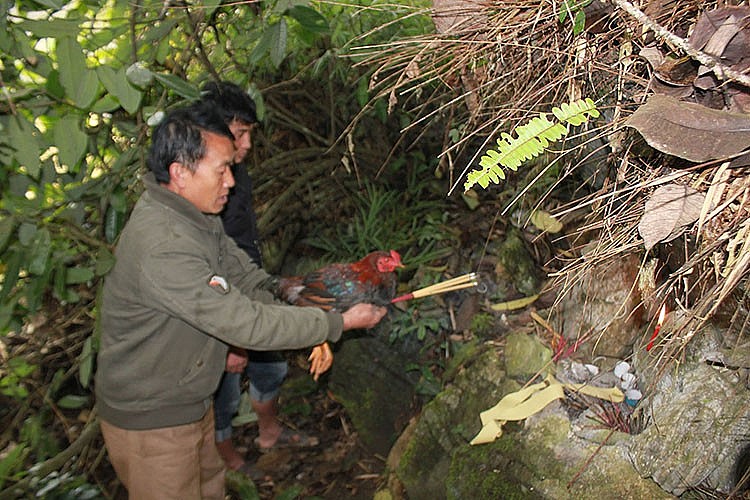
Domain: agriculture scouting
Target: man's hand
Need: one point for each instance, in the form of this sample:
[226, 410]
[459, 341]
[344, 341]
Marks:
[363, 316]
[236, 360]
[320, 359]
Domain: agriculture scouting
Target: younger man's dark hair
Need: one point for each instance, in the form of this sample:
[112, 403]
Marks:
[179, 138]
[230, 101]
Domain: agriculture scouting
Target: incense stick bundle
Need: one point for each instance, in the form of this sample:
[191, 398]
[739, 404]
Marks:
[458, 283]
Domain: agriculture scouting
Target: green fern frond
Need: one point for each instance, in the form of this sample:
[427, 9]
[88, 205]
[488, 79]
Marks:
[532, 139]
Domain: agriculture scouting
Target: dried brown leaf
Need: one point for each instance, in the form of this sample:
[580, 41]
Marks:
[691, 131]
[668, 211]
[715, 33]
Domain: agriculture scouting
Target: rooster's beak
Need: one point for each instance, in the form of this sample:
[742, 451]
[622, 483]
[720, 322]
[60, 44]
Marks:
[396, 258]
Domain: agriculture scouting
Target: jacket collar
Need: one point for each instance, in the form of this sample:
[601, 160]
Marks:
[175, 202]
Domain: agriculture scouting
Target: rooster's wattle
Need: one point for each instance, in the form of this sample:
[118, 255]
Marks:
[337, 287]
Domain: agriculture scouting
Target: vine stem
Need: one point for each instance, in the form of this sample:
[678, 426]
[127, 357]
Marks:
[720, 70]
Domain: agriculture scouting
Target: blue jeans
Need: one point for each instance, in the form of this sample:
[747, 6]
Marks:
[265, 371]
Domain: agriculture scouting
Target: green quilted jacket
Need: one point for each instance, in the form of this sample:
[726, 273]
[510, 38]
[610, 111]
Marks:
[180, 292]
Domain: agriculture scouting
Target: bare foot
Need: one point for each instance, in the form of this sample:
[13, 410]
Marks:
[267, 437]
[287, 438]
[230, 456]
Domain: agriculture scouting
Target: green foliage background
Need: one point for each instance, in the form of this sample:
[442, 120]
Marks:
[82, 84]
[82, 81]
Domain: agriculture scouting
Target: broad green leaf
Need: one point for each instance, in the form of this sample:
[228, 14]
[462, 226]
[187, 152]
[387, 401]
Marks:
[278, 42]
[7, 227]
[106, 104]
[53, 85]
[52, 4]
[35, 290]
[180, 86]
[257, 97]
[88, 89]
[12, 461]
[79, 82]
[24, 138]
[26, 233]
[262, 48]
[51, 27]
[579, 23]
[17, 186]
[7, 321]
[100, 39]
[544, 221]
[116, 83]
[76, 275]
[105, 260]
[309, 19]
[282, 6]
[158, 32]
[40, 252]
[564, 9]
[20, 367]
[71, 141]
[6, 43]
[113, 222]
[58, 284]
[118, 201]
[12, 268]
[72, 402]
[139, 75]
[210, 6]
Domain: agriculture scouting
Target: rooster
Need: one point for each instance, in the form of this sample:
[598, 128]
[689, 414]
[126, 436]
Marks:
[337, 287]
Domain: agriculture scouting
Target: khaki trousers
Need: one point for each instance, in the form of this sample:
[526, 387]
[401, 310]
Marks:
[169, 463]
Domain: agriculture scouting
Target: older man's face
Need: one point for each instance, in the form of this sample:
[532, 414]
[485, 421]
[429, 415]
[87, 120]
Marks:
[208, 186]
[243, 140]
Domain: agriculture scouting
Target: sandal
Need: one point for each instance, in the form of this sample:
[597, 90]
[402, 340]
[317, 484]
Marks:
[289, 439]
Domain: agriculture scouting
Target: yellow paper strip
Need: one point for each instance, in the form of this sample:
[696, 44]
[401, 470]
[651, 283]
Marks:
[522, 404]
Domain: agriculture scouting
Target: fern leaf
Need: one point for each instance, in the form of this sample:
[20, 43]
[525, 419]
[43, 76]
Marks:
[577, 112]
[531, 140]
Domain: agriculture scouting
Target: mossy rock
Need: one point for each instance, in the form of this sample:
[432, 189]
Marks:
[370, 380]
[539, 459]
[517, 265]
[525, 356]
[450, 421]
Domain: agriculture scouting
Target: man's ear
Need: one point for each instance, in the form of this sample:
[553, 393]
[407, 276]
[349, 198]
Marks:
[177, 173]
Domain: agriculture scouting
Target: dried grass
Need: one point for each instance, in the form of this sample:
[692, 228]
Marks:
[503, 62]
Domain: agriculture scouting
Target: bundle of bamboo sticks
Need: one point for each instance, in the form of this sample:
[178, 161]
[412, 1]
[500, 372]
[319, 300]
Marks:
[464, 281]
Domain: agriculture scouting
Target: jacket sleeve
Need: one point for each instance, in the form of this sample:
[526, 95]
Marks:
[179, 281]
[245, 273]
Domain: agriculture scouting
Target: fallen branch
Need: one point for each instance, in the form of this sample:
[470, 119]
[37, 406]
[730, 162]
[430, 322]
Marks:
[56, 463]
[721, 71]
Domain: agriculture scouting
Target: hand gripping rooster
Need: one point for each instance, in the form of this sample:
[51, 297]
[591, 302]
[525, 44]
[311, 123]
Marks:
[337, 287]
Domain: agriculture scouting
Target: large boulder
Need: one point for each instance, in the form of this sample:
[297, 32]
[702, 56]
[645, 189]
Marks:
[369, 378]
[540, 457]
[699, 415]
[447, 423]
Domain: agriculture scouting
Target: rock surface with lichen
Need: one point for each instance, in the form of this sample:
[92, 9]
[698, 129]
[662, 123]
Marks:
[537, 458]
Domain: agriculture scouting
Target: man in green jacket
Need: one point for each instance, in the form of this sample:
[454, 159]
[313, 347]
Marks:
[180, 292]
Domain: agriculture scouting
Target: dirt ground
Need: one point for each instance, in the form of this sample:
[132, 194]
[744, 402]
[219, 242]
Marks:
[340, 466]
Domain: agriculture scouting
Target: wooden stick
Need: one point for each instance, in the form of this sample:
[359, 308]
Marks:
[458, 283]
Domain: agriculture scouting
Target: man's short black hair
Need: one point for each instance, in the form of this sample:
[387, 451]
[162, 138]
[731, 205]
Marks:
[179, 138]
[230, 101]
